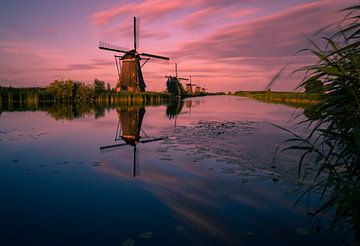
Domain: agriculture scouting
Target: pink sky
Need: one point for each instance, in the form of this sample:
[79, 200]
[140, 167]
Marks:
[225, 45]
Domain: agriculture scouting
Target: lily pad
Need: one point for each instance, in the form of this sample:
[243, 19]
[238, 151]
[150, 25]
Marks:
[302, 231]
[146, 235]
[212, 234]
[180, 228]
[128, 242]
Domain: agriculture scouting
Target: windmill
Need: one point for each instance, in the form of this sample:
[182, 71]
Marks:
[129, 65]
[197, 89]
[128, 131]
[173, 84]
[176, 74]
[189, 86]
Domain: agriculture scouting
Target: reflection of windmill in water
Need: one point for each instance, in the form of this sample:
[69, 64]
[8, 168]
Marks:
[129, 132]
[174, 109]
[129, 65]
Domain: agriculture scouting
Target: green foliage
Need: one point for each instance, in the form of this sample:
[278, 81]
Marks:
[73, 93]
[69, 91]
[333, 143]
[314, 86]
[74, 110]
[99, 86]
[108, 87]
[293, 99]
[30, 95]
[174, 108]
[174, 87]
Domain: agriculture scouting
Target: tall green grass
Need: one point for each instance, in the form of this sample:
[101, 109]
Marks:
[294, 99]
[333, 144]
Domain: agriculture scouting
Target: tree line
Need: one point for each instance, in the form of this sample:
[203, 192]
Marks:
[58, 91]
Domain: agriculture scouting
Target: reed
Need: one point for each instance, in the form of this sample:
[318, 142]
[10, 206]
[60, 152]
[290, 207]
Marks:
[333, 144]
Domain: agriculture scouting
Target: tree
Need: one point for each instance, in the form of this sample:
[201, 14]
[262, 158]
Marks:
[108, 87]
[173, 86]
[99, 86]
[69, 91]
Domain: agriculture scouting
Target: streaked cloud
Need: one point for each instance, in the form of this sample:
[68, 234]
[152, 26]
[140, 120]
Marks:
[89, 65]
[48, 30]
[231, 44]
[150, 9]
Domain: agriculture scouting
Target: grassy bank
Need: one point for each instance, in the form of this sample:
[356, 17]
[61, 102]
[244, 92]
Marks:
[31, 97]
[130, 98]
[294, 99]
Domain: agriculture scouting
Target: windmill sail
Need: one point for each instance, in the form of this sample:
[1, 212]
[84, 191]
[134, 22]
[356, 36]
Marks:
[137, 32]
[112, 47]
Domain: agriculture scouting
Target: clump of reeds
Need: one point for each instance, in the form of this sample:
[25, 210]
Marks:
[333, 143]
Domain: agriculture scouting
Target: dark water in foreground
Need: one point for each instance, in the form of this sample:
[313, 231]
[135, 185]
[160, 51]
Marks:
[210, 181]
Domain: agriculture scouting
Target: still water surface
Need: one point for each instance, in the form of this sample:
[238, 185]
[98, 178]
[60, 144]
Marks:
[194, 173]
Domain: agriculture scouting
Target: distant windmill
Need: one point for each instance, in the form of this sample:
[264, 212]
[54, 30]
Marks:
[173, 84]
[129, 66]
[189, 86]
[197, 89]
[176, 74]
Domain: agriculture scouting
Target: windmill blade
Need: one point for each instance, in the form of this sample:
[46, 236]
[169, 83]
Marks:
[112, 146]
[136, 32]
[136, 170]
[183, 79]
[155, 56]
[152, 140]
[112, 47]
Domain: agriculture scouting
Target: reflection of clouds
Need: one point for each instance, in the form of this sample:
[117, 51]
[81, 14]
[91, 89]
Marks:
[181, 193]
[200, 199]
[193, 194]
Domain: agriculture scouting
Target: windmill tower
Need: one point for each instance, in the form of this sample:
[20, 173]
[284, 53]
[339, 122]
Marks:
[129, 65]
[189, 88]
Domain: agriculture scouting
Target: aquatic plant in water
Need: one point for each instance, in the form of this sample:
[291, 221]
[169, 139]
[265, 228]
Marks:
[333, 144]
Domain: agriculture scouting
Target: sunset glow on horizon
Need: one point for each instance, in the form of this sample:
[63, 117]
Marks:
[224, 45]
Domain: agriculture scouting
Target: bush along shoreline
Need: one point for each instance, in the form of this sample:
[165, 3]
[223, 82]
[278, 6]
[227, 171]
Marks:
[68, 91]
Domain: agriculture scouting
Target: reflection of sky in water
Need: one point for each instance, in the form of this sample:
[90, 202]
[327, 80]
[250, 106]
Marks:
[57, 188]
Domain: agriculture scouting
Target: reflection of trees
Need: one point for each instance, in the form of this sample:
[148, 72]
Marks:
[173, 109]
[59, 111]
[70, 111]
[73, 111]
